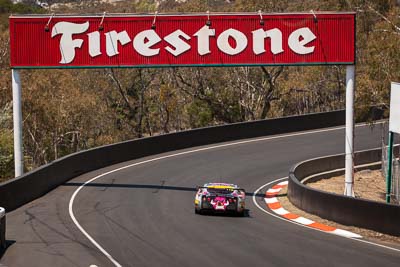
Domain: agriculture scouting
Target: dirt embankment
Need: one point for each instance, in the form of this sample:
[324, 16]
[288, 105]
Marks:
[368, 184]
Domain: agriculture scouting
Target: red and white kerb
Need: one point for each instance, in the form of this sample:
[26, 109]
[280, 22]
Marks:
[273, 203]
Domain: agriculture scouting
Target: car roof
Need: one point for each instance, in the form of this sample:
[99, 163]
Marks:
[220, 185]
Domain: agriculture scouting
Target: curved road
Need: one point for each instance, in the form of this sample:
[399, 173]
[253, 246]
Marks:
[143, 215]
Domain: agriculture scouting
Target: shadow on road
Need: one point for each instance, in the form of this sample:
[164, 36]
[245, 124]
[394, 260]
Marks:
[226, 214]
[9, 243]
[146, 186]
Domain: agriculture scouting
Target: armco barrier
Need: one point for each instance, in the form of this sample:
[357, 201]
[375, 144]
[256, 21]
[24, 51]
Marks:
[2, 229]
[377, 216]
[32, 185]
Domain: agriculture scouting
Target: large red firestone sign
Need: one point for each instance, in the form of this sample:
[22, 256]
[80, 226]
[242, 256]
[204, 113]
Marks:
[182, 40]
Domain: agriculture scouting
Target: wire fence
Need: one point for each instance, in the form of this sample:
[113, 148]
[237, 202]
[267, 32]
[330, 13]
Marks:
[395, 190]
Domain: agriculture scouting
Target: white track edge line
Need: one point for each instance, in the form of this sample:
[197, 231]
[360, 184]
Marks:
[97, 245]
[71, 202]
[290, 221]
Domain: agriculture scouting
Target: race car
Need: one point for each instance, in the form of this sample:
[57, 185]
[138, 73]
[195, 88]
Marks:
[220, 197]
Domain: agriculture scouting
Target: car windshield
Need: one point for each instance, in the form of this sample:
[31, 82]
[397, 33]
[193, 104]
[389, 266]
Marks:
[220, 190]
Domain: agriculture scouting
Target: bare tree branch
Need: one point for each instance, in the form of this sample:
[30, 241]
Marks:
[111, 74]
[397, 28]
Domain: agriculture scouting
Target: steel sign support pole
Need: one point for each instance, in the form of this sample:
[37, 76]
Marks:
[17, 113]
[349, 141]
[389, 169]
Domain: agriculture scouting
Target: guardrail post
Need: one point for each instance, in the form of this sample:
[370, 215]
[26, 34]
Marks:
[17, 113]
[349, 141]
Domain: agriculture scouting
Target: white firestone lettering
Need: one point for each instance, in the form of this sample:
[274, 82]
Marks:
[299, 41]
[259, 44]
[223, 42]
[94, 44]
[144, 41]
[67, 44]
[175, 40]
[112, 39]
[299, 46]
[203, 40]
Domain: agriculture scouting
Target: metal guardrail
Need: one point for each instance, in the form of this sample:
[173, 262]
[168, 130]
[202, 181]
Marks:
[2, 228]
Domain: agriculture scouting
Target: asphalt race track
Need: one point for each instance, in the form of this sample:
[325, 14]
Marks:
[143, 215]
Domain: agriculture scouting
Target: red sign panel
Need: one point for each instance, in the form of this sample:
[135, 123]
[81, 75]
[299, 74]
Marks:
[182, 40]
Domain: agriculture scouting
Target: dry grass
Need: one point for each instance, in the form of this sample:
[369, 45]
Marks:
[367, 184]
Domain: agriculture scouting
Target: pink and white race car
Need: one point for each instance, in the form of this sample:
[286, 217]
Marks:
[220, 197]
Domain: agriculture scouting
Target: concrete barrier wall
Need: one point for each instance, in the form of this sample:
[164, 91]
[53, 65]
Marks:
[2, 229]
[17, 192]
[363, 213]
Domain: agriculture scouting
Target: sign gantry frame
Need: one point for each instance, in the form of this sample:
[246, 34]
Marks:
[184, 40]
